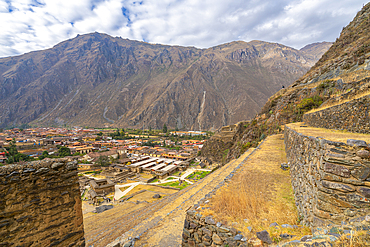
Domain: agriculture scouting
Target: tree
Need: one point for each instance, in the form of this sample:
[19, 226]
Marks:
[103, 160]
[64, 151]
[100, 133]
[13, 155]
[44, 155]
[164, 128]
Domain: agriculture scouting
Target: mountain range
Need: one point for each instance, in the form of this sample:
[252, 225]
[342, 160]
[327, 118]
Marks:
[96, 80]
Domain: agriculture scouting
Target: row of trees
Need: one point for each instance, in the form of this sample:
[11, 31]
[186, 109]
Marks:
[13, 156]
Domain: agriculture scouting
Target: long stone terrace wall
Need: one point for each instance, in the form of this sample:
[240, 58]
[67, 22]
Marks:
[40, 204]
[353, 116]
[330, 179]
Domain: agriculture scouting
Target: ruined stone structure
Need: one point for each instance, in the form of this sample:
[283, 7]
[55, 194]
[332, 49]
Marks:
[40, 204]
[330, 179]
[353, 116]
[103, 186]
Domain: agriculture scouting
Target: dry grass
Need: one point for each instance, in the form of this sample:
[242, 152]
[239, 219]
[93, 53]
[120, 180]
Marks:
[260, 194]
[328, 134]
[356, 239]
[145, 196]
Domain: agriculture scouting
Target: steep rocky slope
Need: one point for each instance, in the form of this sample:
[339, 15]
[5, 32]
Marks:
[98, 80]
[342, 73]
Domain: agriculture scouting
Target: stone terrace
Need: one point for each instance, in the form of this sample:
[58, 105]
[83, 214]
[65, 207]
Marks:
[40, 204]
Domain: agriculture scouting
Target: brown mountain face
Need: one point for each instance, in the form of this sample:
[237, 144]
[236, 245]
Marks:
[343, 73]
[97, 80]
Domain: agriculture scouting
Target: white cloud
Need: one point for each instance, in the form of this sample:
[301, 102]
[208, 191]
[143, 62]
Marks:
[28, 25]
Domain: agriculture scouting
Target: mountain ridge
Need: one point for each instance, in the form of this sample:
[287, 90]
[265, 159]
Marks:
[97, 80]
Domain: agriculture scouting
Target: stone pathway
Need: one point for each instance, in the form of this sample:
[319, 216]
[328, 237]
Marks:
[118, 193]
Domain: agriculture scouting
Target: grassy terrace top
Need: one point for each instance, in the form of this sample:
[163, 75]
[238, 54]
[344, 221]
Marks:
[328, 134]
[259, 194]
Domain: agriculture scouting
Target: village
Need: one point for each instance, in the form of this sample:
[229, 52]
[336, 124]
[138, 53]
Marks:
[117, 166]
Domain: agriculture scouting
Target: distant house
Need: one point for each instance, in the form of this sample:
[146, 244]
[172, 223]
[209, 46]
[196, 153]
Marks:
[94, 156]
[2, 157]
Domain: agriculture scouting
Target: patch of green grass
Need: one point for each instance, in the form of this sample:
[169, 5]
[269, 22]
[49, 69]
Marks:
[200, 174]
[155, 180]
[176, 185]
[176, 173]
[93, 172]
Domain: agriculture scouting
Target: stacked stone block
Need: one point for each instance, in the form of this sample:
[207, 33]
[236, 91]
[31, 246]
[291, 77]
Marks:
[331, 180]
[40, 204]
[201, 230]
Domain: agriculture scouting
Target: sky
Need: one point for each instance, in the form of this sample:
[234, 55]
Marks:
[28, 25]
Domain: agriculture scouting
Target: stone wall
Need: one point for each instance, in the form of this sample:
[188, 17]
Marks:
[40, 204]
[201, 230]
[353, 116]
[330, 179]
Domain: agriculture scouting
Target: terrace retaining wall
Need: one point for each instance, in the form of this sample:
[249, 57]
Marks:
[330, 180]
[40, 204]
[353, 116]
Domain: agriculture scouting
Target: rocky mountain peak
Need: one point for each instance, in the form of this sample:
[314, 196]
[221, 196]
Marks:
[97, 80]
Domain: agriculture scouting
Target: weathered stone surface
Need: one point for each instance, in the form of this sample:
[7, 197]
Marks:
[320, 213]
[156, 196]
[337, 170]
[361, 173]
[363, 153]
[338, 161]
[103, 208]
[187, 233]
[216, 239]
[328, 207]
[71, 165]
[364, 191]
[264, 236]
[186, 224]
[47, 204]
[57, 165]
[206, 232]
[356, 143]
[255, 242]
[337, 186]
[238, 237]
[207, 238]
[350, 212]
[223, 229]
[210, 220]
